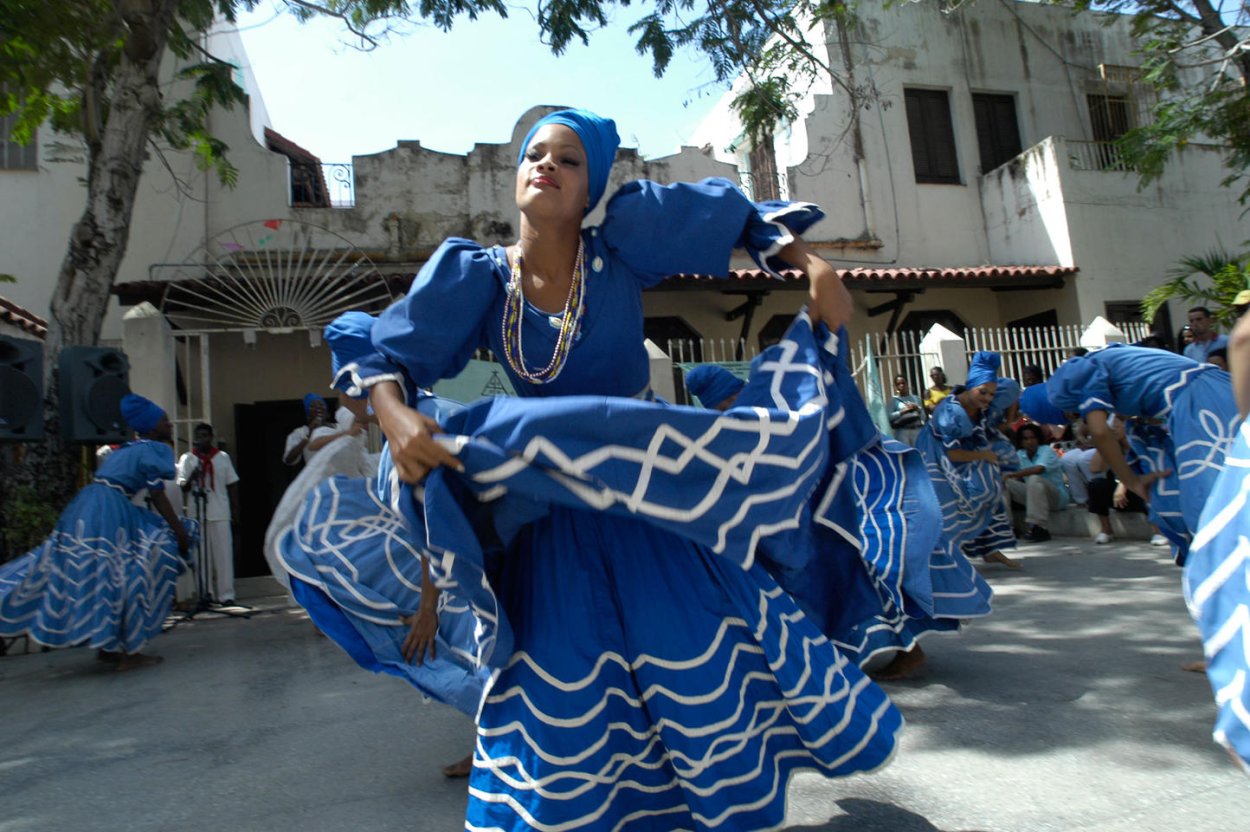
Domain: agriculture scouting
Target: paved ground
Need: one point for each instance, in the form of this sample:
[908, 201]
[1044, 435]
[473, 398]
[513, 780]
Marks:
[1063, 711]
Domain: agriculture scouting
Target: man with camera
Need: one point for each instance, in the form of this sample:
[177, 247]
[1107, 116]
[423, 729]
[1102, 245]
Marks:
[208, 481]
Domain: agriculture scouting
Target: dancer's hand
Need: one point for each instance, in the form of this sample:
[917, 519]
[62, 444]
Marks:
[1120, 499]
[831, 302]
[422, 630]
[1142, 487]
[410, 435]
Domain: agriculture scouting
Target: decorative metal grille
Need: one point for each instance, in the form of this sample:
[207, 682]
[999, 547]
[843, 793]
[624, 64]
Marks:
[272, 275]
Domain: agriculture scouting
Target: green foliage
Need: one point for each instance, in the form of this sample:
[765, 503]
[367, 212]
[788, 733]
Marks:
[1212, 280]
[27, 519]
[761, 106]
[7, 278]
[1196, 57]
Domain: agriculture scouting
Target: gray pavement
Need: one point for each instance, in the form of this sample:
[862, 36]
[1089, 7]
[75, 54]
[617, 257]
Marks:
[1065, 710]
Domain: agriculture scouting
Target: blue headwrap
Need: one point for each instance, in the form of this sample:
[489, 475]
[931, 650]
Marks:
[308, 402]
[599, 140]
[350, 337]
[1035, 405]
[712, 384]
[984, 368]
[141, 414]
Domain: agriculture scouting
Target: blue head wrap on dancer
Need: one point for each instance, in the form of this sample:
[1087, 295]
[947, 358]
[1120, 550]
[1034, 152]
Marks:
[984, 368]
[141, 414]
[599, 139]
[350, 337]
[1035, 405]
[712, 384]
[309, 400]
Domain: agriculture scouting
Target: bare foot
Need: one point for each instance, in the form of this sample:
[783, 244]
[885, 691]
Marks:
[998, 557]
[134, 661]
[1195, 667]
[904, 664]
[460, 768]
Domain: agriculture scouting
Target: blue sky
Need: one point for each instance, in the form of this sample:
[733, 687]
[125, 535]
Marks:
[451, 89]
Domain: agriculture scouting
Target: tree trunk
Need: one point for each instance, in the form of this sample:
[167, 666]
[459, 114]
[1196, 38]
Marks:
[98, 241]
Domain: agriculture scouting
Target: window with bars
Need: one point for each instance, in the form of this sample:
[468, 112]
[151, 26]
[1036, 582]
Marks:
[932, 136]
[1110, 118]
[998, 136]
[14, 156]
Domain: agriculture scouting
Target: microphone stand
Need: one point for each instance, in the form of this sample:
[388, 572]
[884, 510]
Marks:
[202, 562]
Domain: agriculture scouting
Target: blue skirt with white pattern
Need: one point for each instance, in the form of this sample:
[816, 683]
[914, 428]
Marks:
[104, 578]
[1217, 589]
[649, 668]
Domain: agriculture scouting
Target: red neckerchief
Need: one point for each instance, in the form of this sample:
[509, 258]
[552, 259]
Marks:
[206, 462]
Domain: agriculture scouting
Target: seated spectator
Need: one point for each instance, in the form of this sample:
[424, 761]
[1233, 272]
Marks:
[906, 412]
[1105, 491]
[1218, 357]
[938, 391]
[1076, 462]
[1038, 484]
[1031, 374]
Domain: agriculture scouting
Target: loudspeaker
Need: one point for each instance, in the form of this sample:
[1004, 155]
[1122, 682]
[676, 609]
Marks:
[21, 390]
[92, 382]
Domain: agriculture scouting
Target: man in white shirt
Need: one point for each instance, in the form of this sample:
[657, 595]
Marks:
[208, 482]
[306, 440]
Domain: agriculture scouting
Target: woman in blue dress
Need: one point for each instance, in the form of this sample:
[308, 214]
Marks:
[962, 453]
[1217, 575]
[647, 671]
[1189, 421]
[105, 576]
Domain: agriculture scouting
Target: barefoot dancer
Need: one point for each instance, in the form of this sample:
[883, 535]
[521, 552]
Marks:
[105, 576]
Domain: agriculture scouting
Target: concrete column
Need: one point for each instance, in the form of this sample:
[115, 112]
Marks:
[148, 342]
[942, 348]
[1100, 333]
[661, 372]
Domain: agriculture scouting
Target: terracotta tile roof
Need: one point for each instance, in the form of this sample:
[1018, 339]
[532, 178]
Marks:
[281, 144]
[22, 318]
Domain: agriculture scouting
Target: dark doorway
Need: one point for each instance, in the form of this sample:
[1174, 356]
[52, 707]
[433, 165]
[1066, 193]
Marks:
[260, 432]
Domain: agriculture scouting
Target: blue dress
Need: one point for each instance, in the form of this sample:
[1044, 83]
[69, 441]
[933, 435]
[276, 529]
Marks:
[974, 518]
[648, 671]
[1217, 589]
[105, 576]
[1194, 403]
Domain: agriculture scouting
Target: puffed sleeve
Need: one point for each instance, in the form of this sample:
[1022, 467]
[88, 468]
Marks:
[950, 422]
[692, 227]
[156, 464]
[1081, 385]
[432, 332]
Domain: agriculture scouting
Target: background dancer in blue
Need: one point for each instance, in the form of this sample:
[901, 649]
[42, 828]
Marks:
[1191, 420]
[966, 469]
[648, 673]
[1217, 576]
[105, 576]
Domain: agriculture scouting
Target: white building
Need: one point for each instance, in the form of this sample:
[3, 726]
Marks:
[989, 143]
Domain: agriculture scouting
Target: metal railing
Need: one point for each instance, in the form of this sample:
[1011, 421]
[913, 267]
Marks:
[333, 186]
[1045, 346]
[1096, 156]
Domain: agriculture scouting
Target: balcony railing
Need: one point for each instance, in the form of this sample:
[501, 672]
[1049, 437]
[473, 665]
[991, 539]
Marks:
[331, 186]
[1096, 156]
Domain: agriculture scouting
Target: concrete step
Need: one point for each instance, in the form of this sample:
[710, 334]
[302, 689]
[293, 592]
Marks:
[1078, 522]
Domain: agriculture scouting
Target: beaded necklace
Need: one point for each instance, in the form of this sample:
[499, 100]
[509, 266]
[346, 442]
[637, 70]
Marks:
[514, 317]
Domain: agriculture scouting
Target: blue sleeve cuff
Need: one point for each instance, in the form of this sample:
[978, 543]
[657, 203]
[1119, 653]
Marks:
[355, 378]
[775, 226]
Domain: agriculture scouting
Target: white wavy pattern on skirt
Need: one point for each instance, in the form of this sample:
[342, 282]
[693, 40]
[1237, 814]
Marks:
[362, 556]
[917, 579]
[605, 749]
[78, 589]
[1217, 589]
[344, 456]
